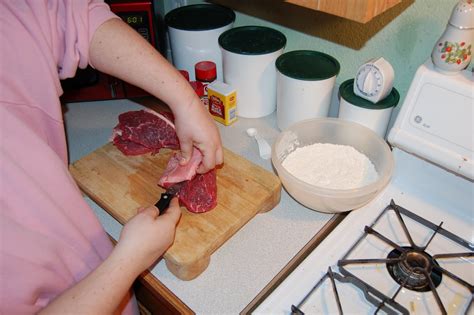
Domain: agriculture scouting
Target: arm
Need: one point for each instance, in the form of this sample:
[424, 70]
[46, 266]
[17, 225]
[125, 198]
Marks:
[118, 50]
[142, 241]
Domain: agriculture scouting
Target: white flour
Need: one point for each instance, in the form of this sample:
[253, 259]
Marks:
[331, 166]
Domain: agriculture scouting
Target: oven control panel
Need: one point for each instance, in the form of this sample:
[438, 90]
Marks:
[436, 121]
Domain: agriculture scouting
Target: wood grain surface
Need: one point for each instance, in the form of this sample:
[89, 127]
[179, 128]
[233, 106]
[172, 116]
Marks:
[358, 10]
[121, 184]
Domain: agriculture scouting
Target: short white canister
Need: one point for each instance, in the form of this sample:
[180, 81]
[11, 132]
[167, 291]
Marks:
[248, 60]
[193, 32]
[357, 109]
[305, 83]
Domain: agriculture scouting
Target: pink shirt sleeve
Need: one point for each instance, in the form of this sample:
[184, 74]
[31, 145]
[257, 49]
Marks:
[49, 237]
[78, 32]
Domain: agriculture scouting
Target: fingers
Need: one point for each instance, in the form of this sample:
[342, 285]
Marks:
[207, 164]
[174, 211]
[219, 156]
[211, 160]
[151, 211]
[186, 151]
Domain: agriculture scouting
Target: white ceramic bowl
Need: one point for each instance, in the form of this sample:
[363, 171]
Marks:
[335, 131]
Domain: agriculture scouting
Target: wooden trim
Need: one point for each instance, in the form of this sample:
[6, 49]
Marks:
[294, 262]
[357, 10]
[154, 297]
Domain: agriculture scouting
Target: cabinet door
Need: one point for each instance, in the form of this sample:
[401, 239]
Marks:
[358, 10]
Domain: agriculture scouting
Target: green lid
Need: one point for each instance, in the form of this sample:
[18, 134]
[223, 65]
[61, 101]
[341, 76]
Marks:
[307, 65]
[346, 90]
[252, 40]
[199, 17]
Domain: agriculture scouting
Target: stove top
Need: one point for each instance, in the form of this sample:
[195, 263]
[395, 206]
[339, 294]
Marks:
[399, 254]
[389, 255]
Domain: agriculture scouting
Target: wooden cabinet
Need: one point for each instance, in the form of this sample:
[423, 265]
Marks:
[357, 10]
[154, 298]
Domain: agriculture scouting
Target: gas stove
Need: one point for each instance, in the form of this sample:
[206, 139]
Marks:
[411, 249]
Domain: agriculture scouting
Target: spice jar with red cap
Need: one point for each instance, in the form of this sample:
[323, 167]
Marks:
[206, 73]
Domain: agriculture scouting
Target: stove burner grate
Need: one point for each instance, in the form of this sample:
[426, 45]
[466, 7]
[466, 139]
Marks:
[410, 266]
[414, 269]
[388, 305]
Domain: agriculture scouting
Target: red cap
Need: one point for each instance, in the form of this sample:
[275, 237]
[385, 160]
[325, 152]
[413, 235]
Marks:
[198, 87]
[185, 74]
[205, 71]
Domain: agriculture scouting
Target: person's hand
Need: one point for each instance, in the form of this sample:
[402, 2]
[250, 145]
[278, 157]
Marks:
[195, 127]
[147, 236]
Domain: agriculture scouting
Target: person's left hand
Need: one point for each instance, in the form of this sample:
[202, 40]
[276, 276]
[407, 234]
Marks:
[195, 127]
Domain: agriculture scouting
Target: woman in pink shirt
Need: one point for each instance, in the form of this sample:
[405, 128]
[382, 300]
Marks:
[55, 255]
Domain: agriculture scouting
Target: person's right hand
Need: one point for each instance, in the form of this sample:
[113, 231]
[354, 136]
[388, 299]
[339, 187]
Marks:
[147, 236]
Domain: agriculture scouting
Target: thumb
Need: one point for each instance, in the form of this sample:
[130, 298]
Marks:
[186, 152]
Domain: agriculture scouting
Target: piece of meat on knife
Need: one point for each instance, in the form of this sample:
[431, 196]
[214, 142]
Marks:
[145, 131]
[175, 173]
[199, 193]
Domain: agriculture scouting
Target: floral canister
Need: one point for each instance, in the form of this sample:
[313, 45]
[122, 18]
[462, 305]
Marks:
[452, 52]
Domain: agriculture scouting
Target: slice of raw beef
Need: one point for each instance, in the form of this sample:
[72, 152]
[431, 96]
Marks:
[175, 173]
[144, 131]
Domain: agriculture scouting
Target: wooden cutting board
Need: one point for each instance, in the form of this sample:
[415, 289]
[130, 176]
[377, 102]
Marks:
[120, 184]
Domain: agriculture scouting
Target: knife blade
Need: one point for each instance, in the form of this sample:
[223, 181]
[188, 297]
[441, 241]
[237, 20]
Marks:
[166, 197]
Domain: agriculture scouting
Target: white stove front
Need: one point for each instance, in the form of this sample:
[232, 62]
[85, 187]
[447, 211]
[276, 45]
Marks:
[427, 191]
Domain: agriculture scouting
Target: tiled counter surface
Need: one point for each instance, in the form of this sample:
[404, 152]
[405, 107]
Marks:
[250, 259]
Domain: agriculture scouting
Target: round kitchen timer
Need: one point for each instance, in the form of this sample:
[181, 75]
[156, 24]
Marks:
[374, 80]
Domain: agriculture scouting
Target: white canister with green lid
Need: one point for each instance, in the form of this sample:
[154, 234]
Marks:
[305, 83]
[375, 116]
[248, 60]
[193, 31]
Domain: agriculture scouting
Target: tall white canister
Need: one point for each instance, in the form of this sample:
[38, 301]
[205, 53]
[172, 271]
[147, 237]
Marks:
[248, 59]
[305, 83]
[193, 32]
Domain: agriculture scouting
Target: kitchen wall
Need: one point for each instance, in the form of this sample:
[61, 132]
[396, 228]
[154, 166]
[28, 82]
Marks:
[405, 40]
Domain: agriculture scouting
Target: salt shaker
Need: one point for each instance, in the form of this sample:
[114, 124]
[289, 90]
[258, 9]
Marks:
[452, 51]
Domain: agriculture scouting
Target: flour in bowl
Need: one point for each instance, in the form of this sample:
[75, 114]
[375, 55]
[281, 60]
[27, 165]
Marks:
[330, 166]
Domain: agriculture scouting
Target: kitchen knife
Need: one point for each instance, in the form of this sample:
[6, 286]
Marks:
[166, 197]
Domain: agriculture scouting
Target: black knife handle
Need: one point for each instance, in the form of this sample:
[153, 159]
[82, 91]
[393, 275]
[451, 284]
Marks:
[164, 202]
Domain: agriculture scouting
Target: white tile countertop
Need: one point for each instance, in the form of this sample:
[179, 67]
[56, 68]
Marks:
[252, 257]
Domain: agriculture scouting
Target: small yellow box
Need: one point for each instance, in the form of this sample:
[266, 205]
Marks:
[222, 102]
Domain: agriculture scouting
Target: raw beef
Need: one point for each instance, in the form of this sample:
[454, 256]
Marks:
[144, 131]
[199, 193]
[175, 173]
